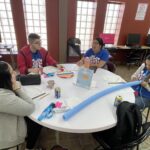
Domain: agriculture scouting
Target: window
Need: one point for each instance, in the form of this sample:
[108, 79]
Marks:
[35, 18]
[7, 31]
[113, 18]
[86, 12]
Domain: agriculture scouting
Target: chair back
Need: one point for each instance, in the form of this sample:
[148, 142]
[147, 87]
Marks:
[111, 66]
[73, 49]
[139, 139]
[74, 43]
[129, 130]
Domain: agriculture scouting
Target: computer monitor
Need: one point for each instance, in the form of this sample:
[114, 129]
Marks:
[133, 39]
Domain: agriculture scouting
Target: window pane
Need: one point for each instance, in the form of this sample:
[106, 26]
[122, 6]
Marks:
[84, 4]
[43, 24]
[35, 2]
[8, 7]
[9, 13]
[79, 4]
[36, 23]
[84, 11]
[109, 20]
[35, 9]
[29, 15]
[83, 25]
[110, 13]
[83, 18]
[5, 22]
[36, 16]
[3, 6]
[79, 11]
[28, 1]
[78, 18]
[4, 14]
[89, 18]
[30, 22]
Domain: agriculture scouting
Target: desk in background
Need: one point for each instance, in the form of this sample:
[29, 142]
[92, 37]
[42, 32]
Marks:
[125, 54]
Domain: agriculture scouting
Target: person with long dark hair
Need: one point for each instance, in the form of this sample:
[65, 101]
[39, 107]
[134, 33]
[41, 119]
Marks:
[96, 56]
[14, 106]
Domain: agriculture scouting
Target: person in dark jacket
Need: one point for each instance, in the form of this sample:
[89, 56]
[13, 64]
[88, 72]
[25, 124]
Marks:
[33, 57]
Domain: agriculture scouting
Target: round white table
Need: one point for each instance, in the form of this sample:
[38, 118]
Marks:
[98, 116]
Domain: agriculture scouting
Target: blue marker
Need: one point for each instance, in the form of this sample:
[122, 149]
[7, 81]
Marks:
[50, 74]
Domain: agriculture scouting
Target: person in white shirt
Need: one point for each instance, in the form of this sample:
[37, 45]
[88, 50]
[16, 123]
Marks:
[14, 106]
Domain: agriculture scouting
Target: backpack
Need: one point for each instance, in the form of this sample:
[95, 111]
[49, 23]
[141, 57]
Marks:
[128, 127]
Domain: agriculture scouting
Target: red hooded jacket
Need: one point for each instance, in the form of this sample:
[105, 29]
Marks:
[24, 59]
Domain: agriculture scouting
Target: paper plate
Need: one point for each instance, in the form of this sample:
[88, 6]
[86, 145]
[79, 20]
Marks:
[49, 69]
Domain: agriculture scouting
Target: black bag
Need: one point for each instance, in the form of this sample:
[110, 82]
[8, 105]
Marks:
[129, 123]
[31, 79]
[58, 147]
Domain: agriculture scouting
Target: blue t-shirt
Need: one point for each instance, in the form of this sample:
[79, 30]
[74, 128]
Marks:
[36, 60]
[141, 90]
[95, 58]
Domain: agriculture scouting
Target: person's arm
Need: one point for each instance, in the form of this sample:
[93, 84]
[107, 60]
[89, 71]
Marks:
[20, 105]
[33, 70]
[138, 71]
[146, 85]
[50, 61]
[104, 58]
[99, 65]
[80, 62]
[21, 63]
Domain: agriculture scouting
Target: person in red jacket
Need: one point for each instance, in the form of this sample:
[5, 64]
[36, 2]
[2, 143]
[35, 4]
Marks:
[33, 57]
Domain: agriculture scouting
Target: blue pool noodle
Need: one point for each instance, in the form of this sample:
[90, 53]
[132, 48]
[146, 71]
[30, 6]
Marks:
[93, 98]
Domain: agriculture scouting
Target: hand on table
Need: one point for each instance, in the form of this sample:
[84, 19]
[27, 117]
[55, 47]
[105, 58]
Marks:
[134, 78]
[33, 70]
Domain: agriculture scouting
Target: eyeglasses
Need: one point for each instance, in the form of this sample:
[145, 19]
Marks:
[95, 42]
[37, 42]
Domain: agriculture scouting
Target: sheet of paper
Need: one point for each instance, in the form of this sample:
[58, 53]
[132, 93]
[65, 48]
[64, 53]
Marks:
[33, 91]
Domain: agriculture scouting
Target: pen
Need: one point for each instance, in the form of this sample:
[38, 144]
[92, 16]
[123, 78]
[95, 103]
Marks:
[44, 96]
[38, 95]
[64, 73]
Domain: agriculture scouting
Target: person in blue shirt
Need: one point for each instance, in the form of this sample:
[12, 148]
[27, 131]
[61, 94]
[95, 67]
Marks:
[142, 98]
[97, 56]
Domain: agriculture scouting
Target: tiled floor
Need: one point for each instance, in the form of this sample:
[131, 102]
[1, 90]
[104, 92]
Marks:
[82, 141]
